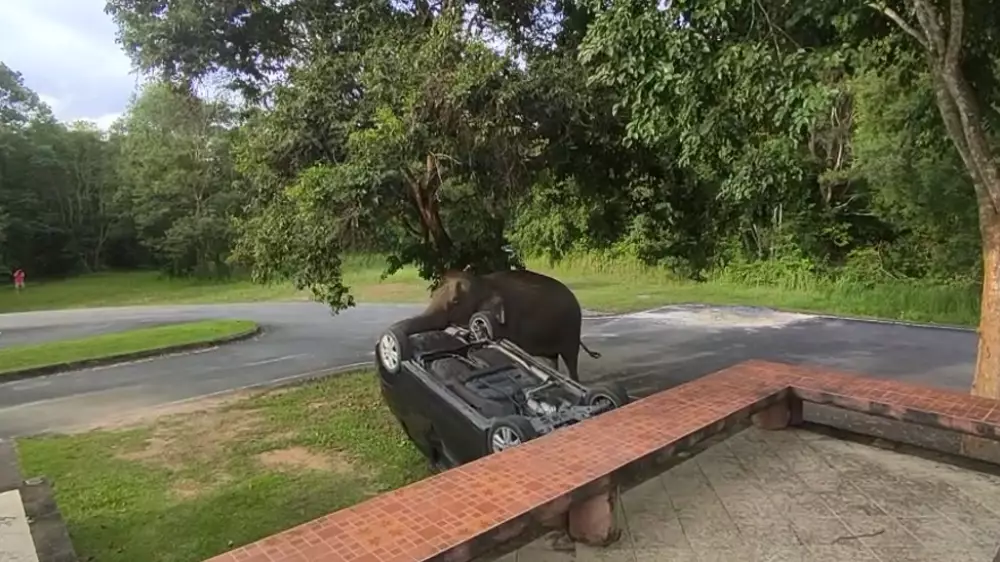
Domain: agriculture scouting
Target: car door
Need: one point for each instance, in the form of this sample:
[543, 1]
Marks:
[408, 404]
[450, 419]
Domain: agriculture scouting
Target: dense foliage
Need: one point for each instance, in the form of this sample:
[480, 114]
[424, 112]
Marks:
[753, 138]
[158, 190]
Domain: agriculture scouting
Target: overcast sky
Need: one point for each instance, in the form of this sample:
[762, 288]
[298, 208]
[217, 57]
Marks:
[66, 51]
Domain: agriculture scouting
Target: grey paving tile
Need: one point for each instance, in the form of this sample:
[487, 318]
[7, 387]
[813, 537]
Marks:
[880, 531]
[938, 532]
[666, 555]
[924, 554]
[819, 531]
[590, 554]
[652, 530]
[808, 504]
[983, 530]
[651, 495]
[758, 553]
[842, 553]
[848, 501]
[790, 496]
[538, 551]
[779, 553]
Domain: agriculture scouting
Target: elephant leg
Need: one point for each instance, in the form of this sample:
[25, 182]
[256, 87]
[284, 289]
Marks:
[572, 359]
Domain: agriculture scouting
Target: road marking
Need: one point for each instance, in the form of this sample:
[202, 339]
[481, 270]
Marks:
[56, 400]
[274, 360]
[29, 384]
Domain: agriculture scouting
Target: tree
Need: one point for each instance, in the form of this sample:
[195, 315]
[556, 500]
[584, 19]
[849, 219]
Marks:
[394, 118]
[57, 185]
[960, 50]
[431, 164]
[178, 182]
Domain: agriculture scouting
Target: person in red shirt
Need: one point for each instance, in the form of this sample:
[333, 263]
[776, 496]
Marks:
[19, 279]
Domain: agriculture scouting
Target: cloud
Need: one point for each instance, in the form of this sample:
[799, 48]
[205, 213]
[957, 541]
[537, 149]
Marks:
[66, 52]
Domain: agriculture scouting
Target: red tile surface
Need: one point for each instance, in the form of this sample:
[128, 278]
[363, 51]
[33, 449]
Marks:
[449, 510]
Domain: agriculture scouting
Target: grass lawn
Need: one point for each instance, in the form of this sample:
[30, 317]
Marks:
[19, 357]
[600, 285]
[189, 486]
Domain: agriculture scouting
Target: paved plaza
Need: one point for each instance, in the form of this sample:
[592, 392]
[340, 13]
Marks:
[798, 496]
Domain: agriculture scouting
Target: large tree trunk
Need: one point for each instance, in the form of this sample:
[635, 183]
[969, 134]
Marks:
[987, 378]
[942, 39]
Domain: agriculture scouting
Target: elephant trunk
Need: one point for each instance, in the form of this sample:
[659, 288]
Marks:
[426, 322]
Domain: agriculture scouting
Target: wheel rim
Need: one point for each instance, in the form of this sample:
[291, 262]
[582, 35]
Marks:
[480, 328]
[504, 438]
[388, 351]
[602, 401]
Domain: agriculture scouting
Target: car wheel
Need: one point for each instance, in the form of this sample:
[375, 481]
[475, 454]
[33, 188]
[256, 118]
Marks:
[608, 396]
[484, 326]
[393, 349]
[509, 432]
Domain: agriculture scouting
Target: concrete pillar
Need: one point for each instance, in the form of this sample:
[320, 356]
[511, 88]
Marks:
[593, 522]
[779, 416]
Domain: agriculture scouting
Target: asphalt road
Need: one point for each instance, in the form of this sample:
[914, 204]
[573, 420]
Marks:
[647, 351]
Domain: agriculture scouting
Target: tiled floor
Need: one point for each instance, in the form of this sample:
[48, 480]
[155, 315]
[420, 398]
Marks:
[796, 496]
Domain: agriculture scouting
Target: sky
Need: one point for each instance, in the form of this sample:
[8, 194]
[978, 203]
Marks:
[66, 52]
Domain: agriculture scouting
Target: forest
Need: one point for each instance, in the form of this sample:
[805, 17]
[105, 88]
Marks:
[764, 140]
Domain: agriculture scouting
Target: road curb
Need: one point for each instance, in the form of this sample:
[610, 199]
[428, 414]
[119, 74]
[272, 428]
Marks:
[34, 372]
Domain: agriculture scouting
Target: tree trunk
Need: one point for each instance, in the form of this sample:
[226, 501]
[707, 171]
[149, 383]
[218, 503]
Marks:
[942, 39]
[986, 381]
[425, 196]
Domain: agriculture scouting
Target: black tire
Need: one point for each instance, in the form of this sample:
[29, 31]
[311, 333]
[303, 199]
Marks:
[509, 431]
[393, 344]
[612, 392]
[485, 324]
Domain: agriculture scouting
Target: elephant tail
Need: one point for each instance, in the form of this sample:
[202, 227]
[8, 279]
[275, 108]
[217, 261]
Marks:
[593, 354]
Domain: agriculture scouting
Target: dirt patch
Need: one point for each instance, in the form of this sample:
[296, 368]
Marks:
[188, 489]
[300, 458]
[197, 438]
[142, 416]
[320, 405]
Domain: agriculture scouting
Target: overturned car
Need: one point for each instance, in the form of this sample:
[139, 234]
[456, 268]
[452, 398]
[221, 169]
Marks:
[460, 394]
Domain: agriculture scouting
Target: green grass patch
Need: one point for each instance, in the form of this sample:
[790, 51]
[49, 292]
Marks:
[136, 288]
[612, 285]
[190, 486]
[20, 357]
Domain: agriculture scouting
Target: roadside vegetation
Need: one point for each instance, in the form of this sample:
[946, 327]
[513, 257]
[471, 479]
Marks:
[189, 486]
[108, 346]
[602, 283]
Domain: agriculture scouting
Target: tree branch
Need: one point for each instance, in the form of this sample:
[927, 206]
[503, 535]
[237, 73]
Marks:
[930, 20]
[955, 34]
[902, 23]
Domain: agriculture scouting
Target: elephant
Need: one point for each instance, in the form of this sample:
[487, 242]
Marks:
[538, 313]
